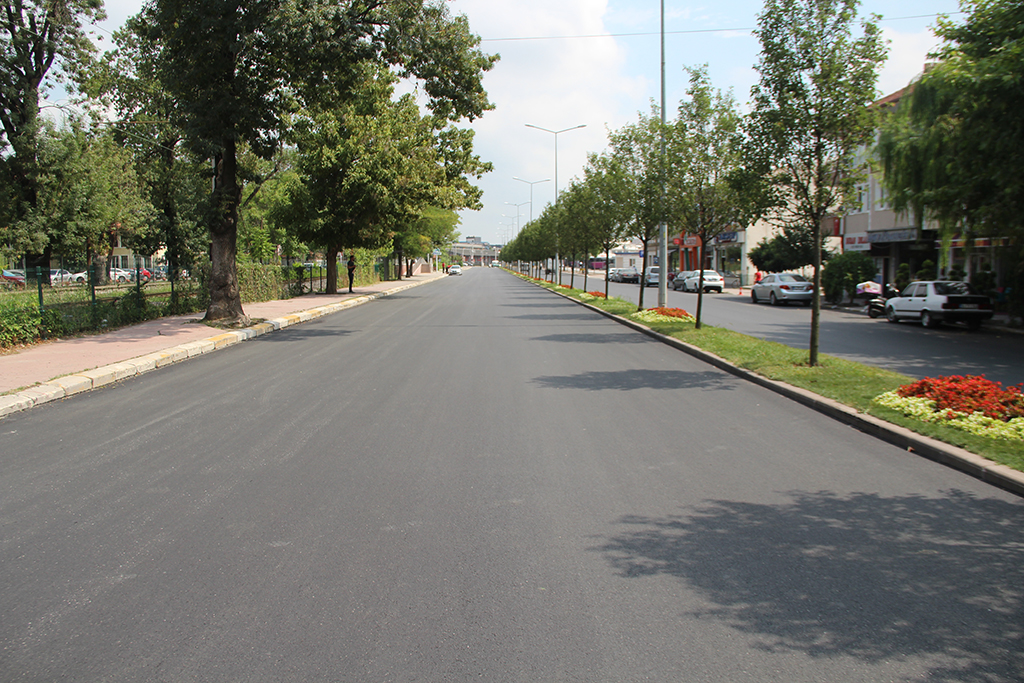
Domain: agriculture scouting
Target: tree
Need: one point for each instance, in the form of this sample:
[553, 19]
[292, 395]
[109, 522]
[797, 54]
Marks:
[42, 42]
[636, 149]
[88, 195]
[239, 70]
[606, 180]
[844, 272]
[810, 114]
[703, 153]
[953, 149]
[791, 249]
[177, 181]
[368, 167]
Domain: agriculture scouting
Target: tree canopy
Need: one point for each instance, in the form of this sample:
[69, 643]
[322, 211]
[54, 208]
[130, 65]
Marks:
[953, 149]
[239, 71]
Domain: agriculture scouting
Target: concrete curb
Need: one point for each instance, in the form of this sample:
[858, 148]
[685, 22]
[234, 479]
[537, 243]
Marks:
[981, 468]
[69, 385]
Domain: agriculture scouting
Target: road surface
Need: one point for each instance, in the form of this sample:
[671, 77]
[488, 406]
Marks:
[478, 480]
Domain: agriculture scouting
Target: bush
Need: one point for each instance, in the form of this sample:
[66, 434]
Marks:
[844, 272]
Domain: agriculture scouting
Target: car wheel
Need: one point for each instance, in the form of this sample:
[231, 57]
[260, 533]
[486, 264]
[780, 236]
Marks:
[772, 300]
[929, 320]
[890, 315]
[753, 297]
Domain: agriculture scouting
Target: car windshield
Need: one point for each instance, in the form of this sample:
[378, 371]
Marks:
[954, 288]
[791, 277]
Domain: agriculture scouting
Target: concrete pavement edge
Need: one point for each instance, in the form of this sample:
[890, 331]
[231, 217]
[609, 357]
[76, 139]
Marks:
[87, 380]
[955, 457]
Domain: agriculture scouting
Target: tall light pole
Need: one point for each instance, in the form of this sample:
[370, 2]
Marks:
[663, 232]
[531, 183]
[517, 212]
[556, 133]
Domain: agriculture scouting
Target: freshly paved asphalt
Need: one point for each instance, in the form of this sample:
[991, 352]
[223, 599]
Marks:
[478, 480]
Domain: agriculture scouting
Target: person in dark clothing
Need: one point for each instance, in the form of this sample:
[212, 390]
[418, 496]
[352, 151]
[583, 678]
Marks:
[351, 270]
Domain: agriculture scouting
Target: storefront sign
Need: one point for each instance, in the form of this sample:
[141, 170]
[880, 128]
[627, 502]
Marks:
[886, 236]
[857, 241]
[727, 237]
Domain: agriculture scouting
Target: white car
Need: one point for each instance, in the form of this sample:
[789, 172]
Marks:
[934, 303]
[455, 270]
[651, 275]
[713, 282]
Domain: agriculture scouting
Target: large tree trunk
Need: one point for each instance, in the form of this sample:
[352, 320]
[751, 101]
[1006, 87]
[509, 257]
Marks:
[225, 296]
[332, 270]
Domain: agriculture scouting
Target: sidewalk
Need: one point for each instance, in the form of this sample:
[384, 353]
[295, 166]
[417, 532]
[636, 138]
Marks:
[52, 370]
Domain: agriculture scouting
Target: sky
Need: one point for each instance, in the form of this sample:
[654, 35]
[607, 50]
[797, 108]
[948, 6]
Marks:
[596, 64]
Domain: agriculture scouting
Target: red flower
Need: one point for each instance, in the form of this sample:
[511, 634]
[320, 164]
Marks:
[970, 394]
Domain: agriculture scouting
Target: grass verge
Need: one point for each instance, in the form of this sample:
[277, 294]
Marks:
[852, 384]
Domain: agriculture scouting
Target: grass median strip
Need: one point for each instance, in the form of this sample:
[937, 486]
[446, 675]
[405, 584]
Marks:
[850, 383]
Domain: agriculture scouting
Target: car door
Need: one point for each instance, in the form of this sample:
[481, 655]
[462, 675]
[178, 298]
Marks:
[912, 301]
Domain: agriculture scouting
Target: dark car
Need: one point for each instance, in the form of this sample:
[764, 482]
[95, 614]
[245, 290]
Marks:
[628, 274]
[936, 302]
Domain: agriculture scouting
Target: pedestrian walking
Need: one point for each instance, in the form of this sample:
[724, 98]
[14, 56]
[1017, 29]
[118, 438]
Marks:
[351, 270]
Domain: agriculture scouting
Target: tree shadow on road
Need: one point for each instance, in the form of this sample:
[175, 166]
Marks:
[630, 380]
[862, 576]
[624, 337]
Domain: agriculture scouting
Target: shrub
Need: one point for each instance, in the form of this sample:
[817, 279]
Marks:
[844, 272]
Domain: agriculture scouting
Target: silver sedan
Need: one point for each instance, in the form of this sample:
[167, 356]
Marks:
[781, 288]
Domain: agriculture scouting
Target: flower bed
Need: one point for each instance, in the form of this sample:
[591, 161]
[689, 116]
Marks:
[662, 315]
[587, 296]
[972, 404]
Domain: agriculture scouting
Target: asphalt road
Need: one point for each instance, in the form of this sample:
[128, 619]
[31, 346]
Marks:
[478, 480]
[906, 347]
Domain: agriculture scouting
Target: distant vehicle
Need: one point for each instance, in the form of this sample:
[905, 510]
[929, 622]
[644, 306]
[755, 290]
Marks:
[781, 288]
[59, 276]
[11, 278]
[628, 274]
[121, 275]
[455, 270]
[936, 302]
[712, 281]
[652, 275]
[679, 281]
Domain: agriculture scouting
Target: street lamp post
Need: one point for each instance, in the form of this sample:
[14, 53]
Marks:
[556, 134]
[517, 212]
[531, 183]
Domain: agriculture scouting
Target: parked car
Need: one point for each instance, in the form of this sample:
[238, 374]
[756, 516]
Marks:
[651, 275]
[455, 270]
[679, 281]
[781, 288]
[712, 281]
[936, 302]
[12, 278]
[614, 275]
[59, 276]
[121, 275]
[629, 274]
